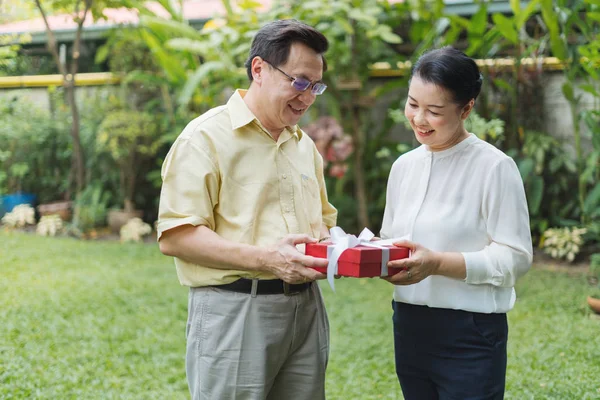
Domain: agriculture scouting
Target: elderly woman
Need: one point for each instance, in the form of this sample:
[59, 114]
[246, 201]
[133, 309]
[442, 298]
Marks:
[462, 204]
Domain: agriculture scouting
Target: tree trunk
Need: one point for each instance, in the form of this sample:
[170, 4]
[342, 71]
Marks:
[129, 181]
[78, 162]
[358, 137]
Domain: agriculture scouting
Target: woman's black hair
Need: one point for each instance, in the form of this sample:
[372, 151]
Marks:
[451, 69]
[273, 41]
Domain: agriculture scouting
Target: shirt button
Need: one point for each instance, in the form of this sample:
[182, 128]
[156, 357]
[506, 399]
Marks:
[284, 176]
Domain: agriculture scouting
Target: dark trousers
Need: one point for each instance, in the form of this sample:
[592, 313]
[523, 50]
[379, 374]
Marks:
[444, 354]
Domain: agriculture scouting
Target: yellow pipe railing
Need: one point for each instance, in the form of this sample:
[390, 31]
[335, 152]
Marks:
[378, 70]
[384, 69]
[84, 79]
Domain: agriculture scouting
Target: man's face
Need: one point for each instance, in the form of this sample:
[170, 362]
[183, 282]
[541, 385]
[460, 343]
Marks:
[286, 104]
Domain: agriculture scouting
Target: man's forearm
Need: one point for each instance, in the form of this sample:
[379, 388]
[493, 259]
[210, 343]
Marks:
[202, 246]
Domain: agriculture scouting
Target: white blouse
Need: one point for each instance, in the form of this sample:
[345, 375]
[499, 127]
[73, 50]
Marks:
[469, 199]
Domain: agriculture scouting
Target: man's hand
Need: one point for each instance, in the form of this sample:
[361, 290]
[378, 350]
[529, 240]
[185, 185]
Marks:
[288, 264]
[421, 264]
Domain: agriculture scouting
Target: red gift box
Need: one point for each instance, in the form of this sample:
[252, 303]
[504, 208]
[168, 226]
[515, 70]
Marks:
[359, 261]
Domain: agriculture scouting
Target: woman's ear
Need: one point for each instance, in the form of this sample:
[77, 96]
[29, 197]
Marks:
[467, 109]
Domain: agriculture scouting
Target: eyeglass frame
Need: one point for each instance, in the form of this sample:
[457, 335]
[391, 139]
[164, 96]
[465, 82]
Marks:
[311, 85]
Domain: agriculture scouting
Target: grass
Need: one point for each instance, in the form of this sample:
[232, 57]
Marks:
[101, 320]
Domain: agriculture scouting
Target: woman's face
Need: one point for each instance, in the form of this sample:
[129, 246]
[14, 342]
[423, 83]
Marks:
[437, 121]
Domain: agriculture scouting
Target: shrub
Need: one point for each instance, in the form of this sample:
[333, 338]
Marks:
[563, 243]
[49, 225]
[35, 155]
[21, 215]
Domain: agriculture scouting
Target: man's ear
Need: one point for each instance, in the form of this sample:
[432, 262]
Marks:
[257, 68]
[467, 109]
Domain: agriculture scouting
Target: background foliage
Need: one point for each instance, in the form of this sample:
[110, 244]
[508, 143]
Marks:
[174, 72]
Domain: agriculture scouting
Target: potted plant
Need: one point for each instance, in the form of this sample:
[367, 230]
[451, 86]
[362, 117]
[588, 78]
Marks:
[593, 300]
[129, 137]
[89, 211]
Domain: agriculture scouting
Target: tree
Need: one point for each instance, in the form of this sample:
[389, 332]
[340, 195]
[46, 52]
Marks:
[80, 10]
[359, 36]
[16, 10]
[10, 45]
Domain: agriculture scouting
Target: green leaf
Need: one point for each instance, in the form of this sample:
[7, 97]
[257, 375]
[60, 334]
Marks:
[452, 35]
[592, 201]
[460, 21]
[501, 83]
[101, 54]
[174, 71]
[249, 4]
[192, 83]
[143, 77]
[506, 28]
[526, 168]
[193, 46]
[590, 167]
[359, 15]
[515, 6]
[345, 25]
[568, 92]
[174, 9]
[389, 37]
[594, 15]
[526, 13]
[228, 7]
[535, 194]
[478, 24]
[589, 89]
[169, 28]
[550, 18]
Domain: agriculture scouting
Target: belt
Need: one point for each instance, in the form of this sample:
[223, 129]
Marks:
[265, 286]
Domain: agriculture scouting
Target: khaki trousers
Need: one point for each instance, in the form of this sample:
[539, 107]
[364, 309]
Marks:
[271, 347]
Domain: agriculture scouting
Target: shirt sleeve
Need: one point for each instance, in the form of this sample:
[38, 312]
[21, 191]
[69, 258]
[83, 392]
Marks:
[509, 254]
[190, 188]
[329, 213]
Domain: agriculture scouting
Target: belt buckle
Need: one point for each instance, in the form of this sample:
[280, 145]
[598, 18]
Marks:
[287, 291]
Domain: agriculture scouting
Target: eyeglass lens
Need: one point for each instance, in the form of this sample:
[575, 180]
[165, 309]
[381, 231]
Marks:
[301, 85]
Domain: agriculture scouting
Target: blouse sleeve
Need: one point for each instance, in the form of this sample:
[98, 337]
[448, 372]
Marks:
[509, 254]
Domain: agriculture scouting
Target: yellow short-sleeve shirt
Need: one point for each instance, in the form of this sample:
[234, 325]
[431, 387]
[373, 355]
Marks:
[226, 172]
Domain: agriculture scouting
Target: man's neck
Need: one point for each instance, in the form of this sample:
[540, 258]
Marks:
[253, 103]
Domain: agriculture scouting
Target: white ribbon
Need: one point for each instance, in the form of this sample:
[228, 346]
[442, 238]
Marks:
[343, 241]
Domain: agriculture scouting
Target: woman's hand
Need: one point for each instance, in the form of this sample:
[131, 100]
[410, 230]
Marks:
[421, 264]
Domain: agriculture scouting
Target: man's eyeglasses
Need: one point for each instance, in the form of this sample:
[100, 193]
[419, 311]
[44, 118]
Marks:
[301, 84]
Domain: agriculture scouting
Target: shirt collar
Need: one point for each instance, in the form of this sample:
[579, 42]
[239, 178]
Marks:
[240, 114]
[454, 149]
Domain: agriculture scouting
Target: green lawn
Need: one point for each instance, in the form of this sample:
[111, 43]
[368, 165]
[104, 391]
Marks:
[99, 320]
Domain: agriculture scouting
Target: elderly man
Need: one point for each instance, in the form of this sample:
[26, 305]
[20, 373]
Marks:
[242, 186]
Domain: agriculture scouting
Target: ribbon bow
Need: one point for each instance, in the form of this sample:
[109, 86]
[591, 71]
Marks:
[343, 241]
